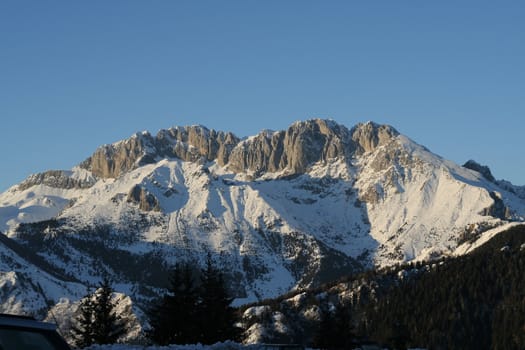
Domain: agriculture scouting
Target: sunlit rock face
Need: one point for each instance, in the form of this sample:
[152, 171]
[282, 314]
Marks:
[292, 150]
[191, 143]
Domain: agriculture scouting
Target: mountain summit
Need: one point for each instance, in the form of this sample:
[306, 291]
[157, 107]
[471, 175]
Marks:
[290, 151]
[280, 210]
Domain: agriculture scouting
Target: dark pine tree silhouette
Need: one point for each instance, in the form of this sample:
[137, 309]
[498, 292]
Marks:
[217, 317]
[174, 318]
[108, 326]
[190, 314]
[96, 321]
[324, 337]
[82, 330]
[335, 329]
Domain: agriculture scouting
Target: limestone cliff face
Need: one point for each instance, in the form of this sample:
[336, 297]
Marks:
[115, 159]
[305, 143]
[291, 151]
[195, 142]
[190, 143]
[498, 209]
[367, 137]
[56, 179]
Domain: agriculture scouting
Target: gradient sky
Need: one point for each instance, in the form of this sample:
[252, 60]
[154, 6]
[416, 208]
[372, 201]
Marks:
[78, 74]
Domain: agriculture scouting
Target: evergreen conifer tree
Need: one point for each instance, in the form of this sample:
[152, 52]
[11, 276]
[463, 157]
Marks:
[96, 321]
[217, 317]
[82, 330]
[190, 314]
[344, 329]
[108, 326]
[335, 329]
[174, 318]
[324, 336]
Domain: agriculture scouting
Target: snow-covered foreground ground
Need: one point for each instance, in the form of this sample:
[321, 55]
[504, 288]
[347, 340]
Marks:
[218, 346]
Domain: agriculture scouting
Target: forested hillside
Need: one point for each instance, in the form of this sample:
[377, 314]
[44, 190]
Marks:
[470, 302]
[476, 301]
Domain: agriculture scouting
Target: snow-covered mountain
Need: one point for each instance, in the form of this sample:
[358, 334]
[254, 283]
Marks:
[278, 211]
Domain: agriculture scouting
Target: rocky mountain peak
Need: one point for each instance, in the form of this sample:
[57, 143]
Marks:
[292, 150]
[482, 169]
[368, 136]
[190, 143]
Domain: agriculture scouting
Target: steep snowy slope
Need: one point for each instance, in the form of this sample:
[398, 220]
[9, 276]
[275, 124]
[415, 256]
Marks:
[26, 288]
[279, 210]
[275, 234]
[420, 205]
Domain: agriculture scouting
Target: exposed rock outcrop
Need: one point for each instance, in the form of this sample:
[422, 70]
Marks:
[56, 179]
[368, 136]
[482, 169]
[192, 143]
[115, 159]
[303, 144]
[498, 208]
[145, 200]
[187, 143]
[292, 150]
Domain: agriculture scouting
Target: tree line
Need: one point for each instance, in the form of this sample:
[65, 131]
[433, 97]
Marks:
[195, 309]
[475, 301]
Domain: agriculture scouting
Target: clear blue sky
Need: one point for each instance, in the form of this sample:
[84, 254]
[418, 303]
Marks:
[78, 74]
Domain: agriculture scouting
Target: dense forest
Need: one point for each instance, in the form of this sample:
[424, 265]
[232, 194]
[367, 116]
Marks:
[475, 301]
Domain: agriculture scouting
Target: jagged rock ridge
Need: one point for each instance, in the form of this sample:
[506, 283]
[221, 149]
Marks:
[291, 151]
[187, 143]
[57, 179]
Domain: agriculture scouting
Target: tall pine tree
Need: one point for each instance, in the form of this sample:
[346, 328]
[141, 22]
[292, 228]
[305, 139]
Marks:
[217, 320]
[325, 335]
[96, 321]
[174, 318]
[82, 330]
[108, 326]
[335, 329]
[191, 313]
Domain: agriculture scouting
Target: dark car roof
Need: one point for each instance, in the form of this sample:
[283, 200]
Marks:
[25, 322]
